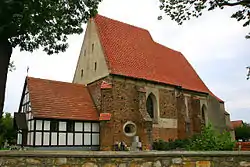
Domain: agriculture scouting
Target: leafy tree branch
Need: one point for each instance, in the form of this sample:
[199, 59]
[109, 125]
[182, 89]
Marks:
[182, 10]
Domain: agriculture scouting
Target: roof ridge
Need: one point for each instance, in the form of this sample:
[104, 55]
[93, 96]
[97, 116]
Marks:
[105, 17]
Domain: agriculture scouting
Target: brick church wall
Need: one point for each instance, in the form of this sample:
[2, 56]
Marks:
[123, 101]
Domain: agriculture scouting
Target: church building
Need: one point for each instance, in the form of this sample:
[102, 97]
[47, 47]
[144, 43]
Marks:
[125, 84]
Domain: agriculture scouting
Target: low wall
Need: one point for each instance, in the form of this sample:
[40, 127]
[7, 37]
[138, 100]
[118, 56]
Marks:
[123, 159]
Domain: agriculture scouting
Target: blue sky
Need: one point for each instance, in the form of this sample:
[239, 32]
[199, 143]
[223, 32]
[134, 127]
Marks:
[214, 44]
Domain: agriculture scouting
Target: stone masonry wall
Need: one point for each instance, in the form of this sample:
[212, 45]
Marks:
[123, 159]
[125, 104]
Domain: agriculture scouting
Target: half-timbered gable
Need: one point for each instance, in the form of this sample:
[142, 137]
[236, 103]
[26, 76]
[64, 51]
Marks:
[56, 114]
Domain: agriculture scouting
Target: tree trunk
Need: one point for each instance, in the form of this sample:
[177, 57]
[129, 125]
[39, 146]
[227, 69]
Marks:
[5, 54]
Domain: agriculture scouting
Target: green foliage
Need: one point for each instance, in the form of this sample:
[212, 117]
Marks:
[170, 145]
[31, 24]
[242, 132]
[208, 140]
[181, 10]
[211, 140]
[8, 131]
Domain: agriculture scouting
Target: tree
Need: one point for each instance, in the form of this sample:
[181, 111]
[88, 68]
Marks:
[31, 24]
[181, 10]
[7, 131]
[242, 132]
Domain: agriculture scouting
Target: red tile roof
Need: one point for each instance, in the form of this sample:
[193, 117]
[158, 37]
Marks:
[131, 51]
[236, 124]
[60, 100]
[105, 85]
[105, 117]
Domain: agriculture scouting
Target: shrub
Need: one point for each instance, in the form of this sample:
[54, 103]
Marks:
[170, 145]
[211, 140]
[208, 140]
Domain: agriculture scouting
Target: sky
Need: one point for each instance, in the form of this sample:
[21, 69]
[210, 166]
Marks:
[214, 44]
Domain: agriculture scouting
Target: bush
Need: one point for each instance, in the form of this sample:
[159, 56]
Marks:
[170, 145]
[211, 140]
[208, 140]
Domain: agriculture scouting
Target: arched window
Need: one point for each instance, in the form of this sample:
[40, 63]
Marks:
[203, 114]
[151, 105]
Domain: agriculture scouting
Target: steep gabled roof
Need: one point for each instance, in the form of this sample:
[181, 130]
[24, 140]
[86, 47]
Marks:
[130, 51]
[60, 100]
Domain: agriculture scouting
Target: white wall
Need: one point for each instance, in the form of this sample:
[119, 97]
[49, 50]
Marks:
[62, 126]
[87, 138]
[19, 138]
[62, 138]
[95, 139]
[72, 138]
[53, 138]
[46, 136]
[38, 141]
[39, 124]
[87, 127]
[46, 125]
[78, 126]
[78, 138]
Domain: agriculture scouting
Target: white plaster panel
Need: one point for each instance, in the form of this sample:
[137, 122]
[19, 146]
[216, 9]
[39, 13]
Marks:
[27, 116]
[39, 124]
[38, 138]
[19, 138]
[46, 138]
[24, 99]
[27, 97]
[87, 126]
[53, 138]
[29, 124]
[95, 127]
[28, 138]
[87, 138]
[95, 139]
[46, 125]
[62, 126]
[166, 123]
[70, 138]
[26, 89]
[29, 109]
[32, 125]
[78, 126]
[78, 138]
[62, 138]
[31, 138]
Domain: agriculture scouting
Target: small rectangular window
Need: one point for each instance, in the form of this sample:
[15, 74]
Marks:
[95, 66]
[84, 52]
[93, 45]
[70, 126]
[81, 73]
[54, 126]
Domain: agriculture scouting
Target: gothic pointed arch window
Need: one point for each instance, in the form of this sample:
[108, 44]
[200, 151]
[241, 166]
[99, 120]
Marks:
[151, 105]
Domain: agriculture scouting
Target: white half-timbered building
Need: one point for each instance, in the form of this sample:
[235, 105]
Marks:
[55, 114]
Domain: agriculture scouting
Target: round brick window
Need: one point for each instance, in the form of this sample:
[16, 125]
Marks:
[129, 129]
